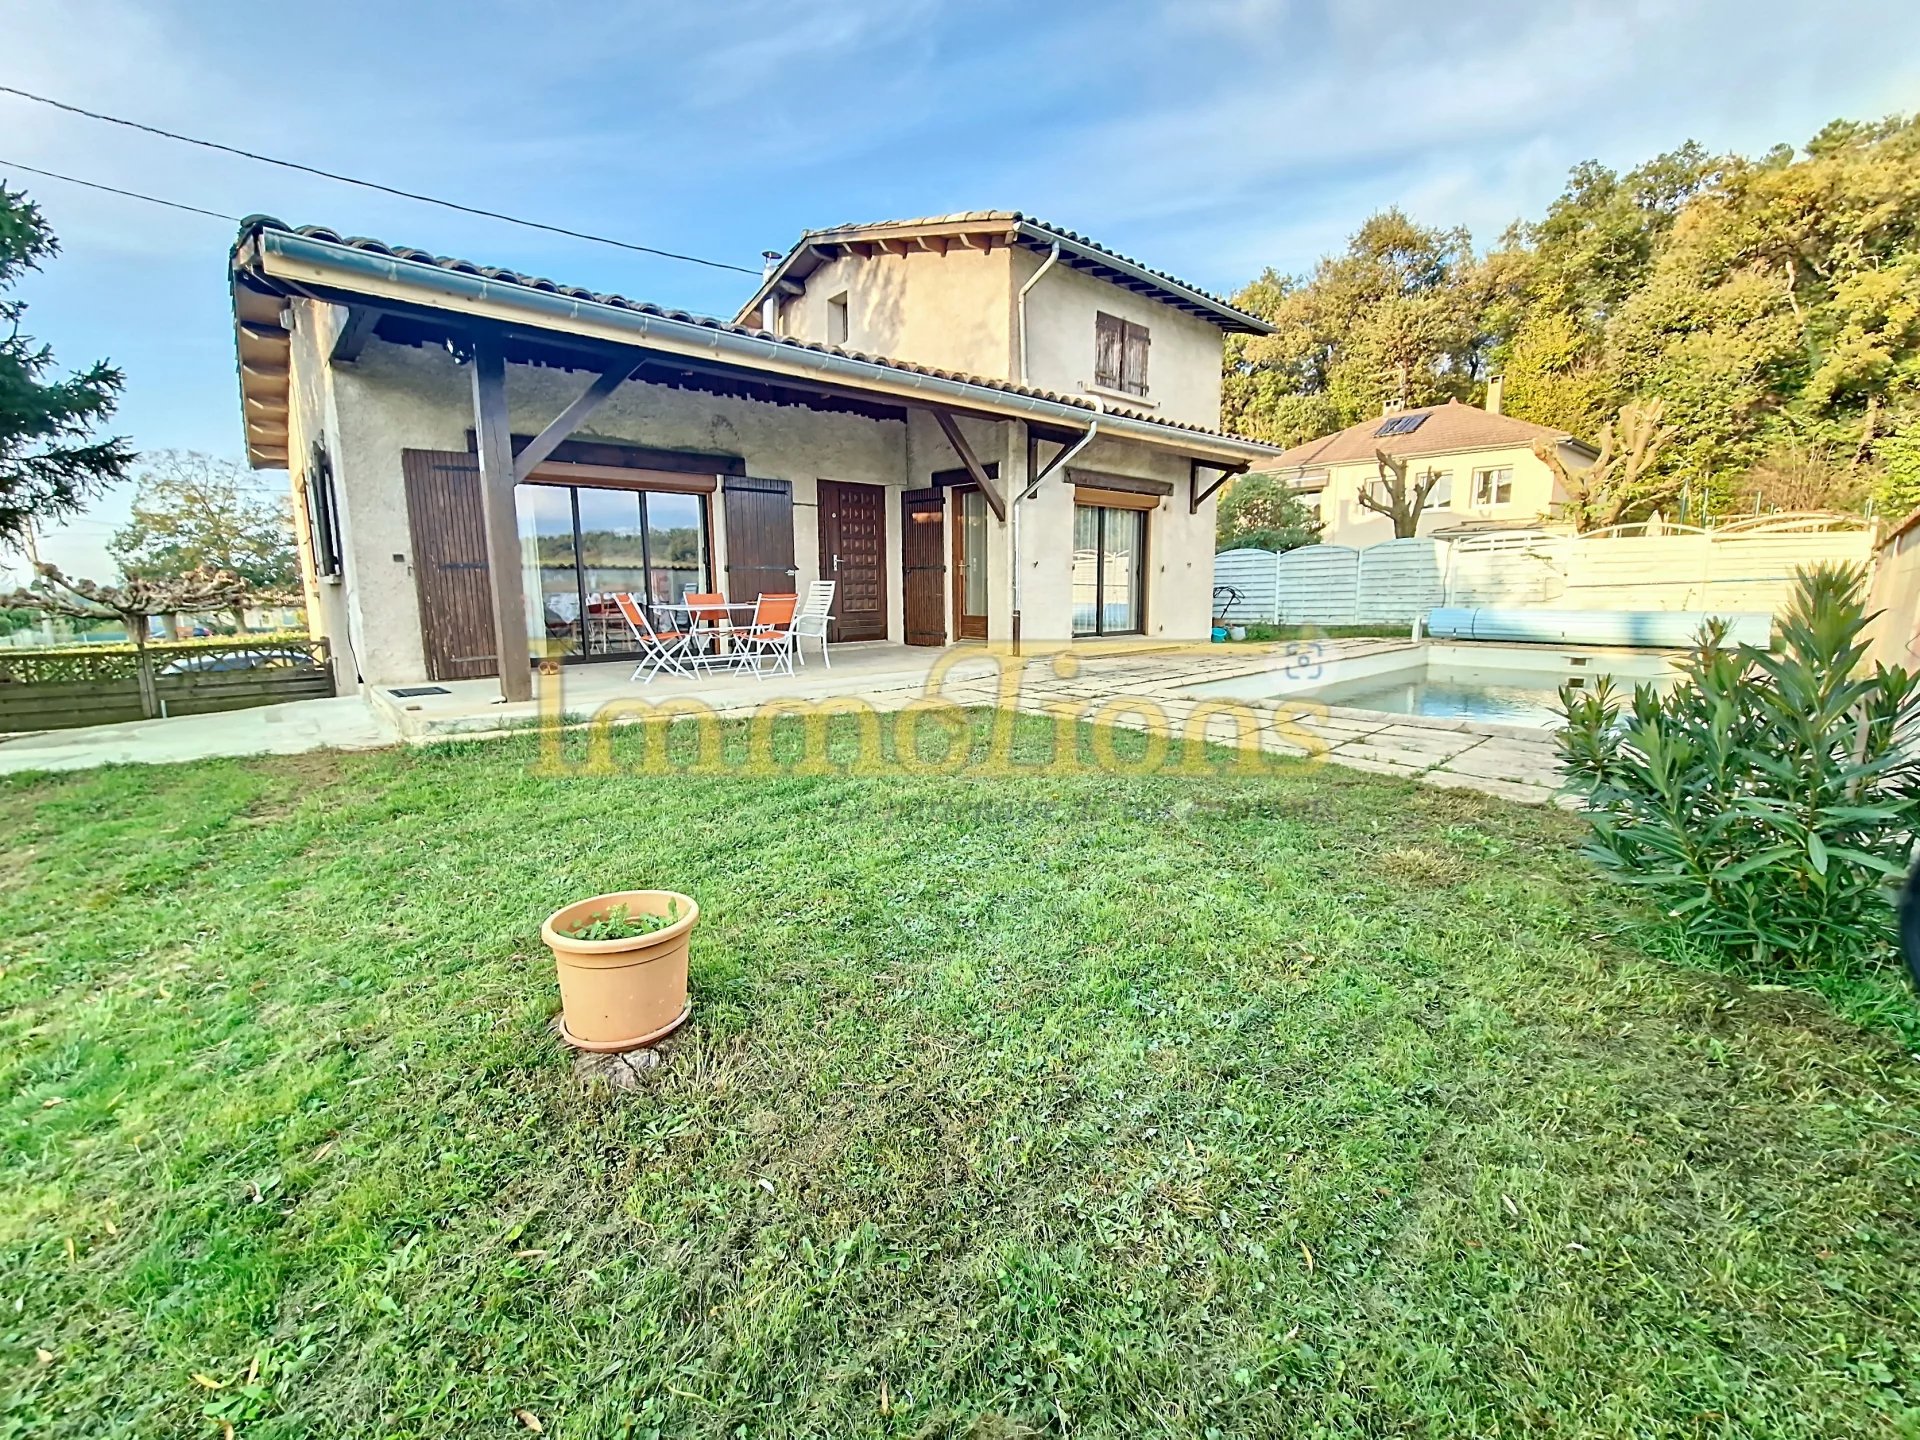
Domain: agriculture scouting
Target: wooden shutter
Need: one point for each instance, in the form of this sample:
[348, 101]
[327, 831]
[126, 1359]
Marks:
[759, 538]
[923, 561]
[1133, 364]
[450, 566]
[1109, 343]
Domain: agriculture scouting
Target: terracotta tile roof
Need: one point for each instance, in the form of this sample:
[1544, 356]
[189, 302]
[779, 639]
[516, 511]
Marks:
[1445, 428]
[1039, 235]
[254, 224]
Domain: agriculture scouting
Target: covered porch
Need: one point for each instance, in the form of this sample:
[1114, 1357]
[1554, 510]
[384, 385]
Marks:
[484, 461]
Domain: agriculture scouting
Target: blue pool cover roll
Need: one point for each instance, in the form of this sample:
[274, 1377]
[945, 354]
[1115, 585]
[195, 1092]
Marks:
[1648, 629]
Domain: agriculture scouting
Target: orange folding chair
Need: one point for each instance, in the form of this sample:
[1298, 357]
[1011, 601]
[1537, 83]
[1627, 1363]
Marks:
[771, 633]
[659, 649]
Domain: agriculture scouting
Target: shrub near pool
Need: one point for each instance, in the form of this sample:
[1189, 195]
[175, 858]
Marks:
[1314, 1103]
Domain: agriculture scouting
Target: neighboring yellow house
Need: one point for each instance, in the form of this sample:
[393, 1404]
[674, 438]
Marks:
[1489, 476]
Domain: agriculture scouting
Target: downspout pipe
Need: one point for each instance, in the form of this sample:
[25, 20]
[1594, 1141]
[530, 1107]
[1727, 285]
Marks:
[1033, 485]
[1020, 317]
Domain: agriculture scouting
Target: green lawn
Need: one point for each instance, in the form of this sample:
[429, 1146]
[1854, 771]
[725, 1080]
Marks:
[1308, 1103]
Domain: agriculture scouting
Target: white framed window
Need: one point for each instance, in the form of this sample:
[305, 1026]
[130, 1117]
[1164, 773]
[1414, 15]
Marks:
[1440, 497]
[1493, 485]
[837, 319]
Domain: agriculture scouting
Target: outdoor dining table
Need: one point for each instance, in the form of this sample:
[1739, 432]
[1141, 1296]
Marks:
[694, 656]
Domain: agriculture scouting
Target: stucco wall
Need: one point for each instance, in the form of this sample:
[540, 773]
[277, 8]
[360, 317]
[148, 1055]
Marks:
[312, 419]
[1179, 563]
[1348, 523]
[950, 311]
[1183, 357]
[957, 311]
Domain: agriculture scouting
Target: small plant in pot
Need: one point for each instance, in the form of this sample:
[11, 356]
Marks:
[622, 963]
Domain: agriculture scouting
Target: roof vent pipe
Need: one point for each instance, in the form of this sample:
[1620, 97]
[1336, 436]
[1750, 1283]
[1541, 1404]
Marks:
[769, 307]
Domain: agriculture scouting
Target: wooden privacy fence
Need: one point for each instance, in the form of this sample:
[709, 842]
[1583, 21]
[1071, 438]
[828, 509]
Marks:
[100, 685]
[1735, 570]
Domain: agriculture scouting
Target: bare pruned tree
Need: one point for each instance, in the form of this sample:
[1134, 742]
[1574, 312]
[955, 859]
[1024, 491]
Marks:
[1622, 478]
[133, 604]
[1397, 496]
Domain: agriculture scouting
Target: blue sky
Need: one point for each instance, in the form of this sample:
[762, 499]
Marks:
[1210, 138]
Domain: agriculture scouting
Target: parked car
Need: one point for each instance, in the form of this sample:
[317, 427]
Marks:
[224, 660]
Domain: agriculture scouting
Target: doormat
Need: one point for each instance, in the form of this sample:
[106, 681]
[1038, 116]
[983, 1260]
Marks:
[413, 690]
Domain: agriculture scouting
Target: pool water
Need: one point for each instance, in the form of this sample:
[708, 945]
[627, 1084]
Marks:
[1497, 684]
[1506, 697]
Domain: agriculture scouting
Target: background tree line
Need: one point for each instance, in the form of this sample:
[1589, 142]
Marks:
[1769, 306]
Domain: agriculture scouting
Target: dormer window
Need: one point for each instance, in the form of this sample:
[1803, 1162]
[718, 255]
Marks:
[837, 319]
[1119, 354]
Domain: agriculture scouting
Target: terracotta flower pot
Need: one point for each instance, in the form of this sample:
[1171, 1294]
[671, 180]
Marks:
[622, 994]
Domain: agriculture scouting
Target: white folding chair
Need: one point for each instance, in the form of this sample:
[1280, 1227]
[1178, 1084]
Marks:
[814, 617]
[659, 649]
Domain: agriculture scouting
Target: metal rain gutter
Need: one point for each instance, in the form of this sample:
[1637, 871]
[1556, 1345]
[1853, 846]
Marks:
[1053, 258]
[1097, 256]
[285, 251]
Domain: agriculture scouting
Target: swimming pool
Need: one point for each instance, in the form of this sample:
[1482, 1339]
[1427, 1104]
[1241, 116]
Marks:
[1497, 684]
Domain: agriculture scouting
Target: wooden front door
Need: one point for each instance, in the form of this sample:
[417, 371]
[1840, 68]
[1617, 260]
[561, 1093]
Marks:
[759, 517]
[923, 566]
[969, 563]
[853, 552]
[450, 569]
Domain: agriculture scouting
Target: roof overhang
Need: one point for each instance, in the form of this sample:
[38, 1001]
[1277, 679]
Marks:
[988, 231]
[270, 263]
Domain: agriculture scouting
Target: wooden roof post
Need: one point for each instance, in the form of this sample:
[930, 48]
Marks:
[494, 439]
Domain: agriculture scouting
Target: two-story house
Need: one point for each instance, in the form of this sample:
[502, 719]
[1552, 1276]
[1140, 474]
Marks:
[1485, 471]
[983, 427]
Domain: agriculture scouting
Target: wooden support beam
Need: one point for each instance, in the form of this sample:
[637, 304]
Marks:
[950, 427]
[573, 417]
[354, 335]
[1196, 497]
[494, 439]
[1039, 474]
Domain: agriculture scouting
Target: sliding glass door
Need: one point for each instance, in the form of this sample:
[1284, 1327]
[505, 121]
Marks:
[581, 545]
[1109, 570]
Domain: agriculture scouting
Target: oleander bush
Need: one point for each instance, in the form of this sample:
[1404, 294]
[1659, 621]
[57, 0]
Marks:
[1769, 798]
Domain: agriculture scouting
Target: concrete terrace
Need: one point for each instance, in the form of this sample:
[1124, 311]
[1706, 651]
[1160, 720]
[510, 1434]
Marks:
[1514, 762]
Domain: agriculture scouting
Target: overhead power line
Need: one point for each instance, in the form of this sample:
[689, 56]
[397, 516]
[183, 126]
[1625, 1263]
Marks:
[116, 190]
[363, 184]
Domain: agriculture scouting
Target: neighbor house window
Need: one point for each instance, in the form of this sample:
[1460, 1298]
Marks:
[1119, 354]
[1109, 570]
[837, 319]
[1493, 486]
[323, 514]
[1441, 496]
